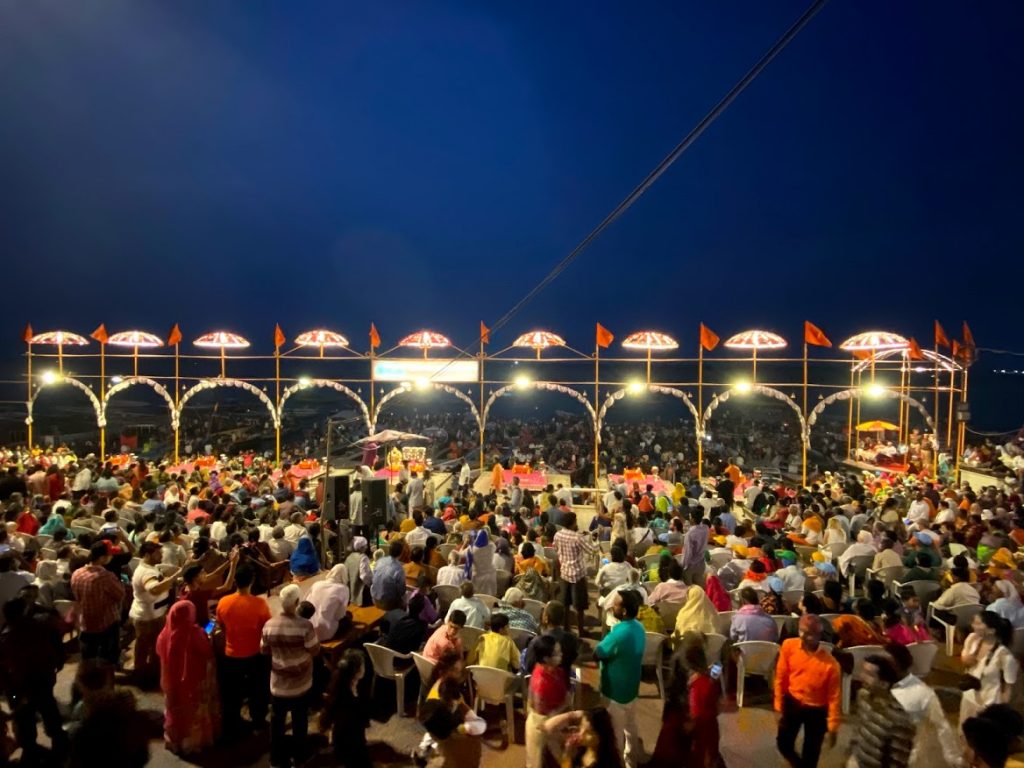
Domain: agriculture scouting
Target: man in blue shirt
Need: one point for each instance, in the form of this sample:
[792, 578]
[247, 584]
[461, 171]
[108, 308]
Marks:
[433, 524]
[621, 655]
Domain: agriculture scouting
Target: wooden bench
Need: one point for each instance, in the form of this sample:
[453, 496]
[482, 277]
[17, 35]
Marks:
[363, 621]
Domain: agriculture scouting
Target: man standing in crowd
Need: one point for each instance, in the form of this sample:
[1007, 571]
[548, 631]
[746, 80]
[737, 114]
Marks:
[572, 548]
[807, 694]
[99, 594]
[291, 643]
[621, 653]
[885, 733]
[151, 598]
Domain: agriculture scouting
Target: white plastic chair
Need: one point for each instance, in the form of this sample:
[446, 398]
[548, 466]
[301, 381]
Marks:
[495, 686]
[856, 570]
[668, 610]
[47, 554]
[836, 549]
[489, 600]
[724, 622]
[533, 607]
[446, 595]
[383, 660]
[923, 655]
[963, 616]
[68, 613]
[649, 561]
[756, 657]
[718, 559]
[504, 580]
[925, 590]
[654, 645]
[470, 636]
[859, 653]
[792, 597]
[887, 575]
[425, 668]
[521, 637]
[444, 550]
[780, 622]
[714, 644]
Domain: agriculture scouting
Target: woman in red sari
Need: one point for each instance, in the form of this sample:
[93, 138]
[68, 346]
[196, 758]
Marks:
[689, 722]
[188, 680]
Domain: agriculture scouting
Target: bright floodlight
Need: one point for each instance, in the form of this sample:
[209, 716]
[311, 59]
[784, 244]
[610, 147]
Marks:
[116, 379]
[305, 381]
[50, 377]
[743, 387]
[135, 339]
[874, 341]
[321, 337]
[422, 382]
[874, 390]
[222, 340]
[636, 387]
[756, 340]
[650, 341]
[522, 381]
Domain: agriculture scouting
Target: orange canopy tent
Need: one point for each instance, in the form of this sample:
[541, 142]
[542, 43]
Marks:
[876, 426]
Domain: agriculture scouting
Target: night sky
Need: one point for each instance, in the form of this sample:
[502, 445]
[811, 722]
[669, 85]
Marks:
[237, 164]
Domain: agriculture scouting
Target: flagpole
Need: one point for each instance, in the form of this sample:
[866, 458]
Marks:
[849, 416]
[961, 426]
[903, 376]
[935, 420]
[481, 373]
[700, 410]
[103, 394]
[28, 342]
[277, 402]
[860, 391]
[177, 400]
[949, 417]
[803, 438]
[597, 437]
[223, 362]
[373, 382]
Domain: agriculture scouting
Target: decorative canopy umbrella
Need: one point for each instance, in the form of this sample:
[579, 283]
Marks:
[222, 340]
[650, 341]
[755, 340]
[321, 338]
[425, 340]
[539, 340]
[876, 426]
[135, 339]
[59, 339]
[874, 341]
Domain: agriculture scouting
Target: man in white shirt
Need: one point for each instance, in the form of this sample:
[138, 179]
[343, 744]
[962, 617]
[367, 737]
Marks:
[515, 497]
[295, 529]
[709, 503]
[415, 492]
[751, 493]
[453, 574]
[280, 547]
[151, 598]
[477, 614]
[564, 495]
[922, 705]
[465, 474]
[355, 504]
[418, 536]
[919, 511]
[82, 482]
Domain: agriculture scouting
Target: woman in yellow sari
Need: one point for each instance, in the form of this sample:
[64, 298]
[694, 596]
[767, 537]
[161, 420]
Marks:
[678, 494]
[497, 477]
[698, 614]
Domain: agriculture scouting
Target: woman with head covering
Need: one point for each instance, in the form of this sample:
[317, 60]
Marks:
[696, 615]
[304, 562]
[834, 532]
[188, 680]
[480, 563]
[1008, 604]
[330, 598]
[678, 495]
[54, 523]
[49, 583]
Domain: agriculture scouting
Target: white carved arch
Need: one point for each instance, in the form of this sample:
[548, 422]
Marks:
[440, 386]
[547, 386]
[147, 382]
[329, 384]
[96, 405]
[847, 394]
[760, 389]
[619, 394]
[215, 383]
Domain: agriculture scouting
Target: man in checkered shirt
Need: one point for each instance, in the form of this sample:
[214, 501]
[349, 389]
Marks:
[573, 548]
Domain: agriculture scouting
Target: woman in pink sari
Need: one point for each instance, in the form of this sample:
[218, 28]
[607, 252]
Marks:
[188, 680]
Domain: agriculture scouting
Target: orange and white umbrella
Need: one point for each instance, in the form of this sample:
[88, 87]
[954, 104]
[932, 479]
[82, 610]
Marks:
[539, 340]
[649, 341]
[425, 340]
[135, 339]
[222, 340]
[321, 338]
[59, 339]
[755, 340]
[874, 341]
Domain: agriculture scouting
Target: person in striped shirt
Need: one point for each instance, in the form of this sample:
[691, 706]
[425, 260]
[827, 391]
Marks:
[291, 643]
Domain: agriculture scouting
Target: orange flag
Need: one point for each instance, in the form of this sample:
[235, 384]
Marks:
[27, 334]
[914, 349]
[485, 333]
[374, 337]
[968, 338]
[708, 338]
[279, 337]
[941, 339]
[814, 336]
[100, 334]
[174, 337]
[956, 349]
[604, 337]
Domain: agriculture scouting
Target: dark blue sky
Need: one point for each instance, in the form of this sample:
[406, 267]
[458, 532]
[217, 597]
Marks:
[234, 164]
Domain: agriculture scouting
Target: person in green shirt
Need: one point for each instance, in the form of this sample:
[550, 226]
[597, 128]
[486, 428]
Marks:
[621, 655]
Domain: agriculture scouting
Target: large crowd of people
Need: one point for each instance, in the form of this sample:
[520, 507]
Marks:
[222, 588]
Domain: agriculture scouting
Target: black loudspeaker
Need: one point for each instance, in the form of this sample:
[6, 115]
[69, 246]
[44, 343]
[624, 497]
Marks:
[375, 502]
[336, 498]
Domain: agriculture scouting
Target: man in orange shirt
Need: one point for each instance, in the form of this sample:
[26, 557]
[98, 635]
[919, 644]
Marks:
[807, 694]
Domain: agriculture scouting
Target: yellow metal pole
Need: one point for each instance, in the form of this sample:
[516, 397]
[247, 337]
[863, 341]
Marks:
[103, 394]
[961, 426]
[60, 359]
[223, 364]
[277, 404]
[754, 358]
[648, 366]
[935, 419]
[481, 375]
[949, 418]
[903, 376]
[849, 418]
[803, 438]
[29, 401]
[700, 411]
[135, 361]
[597, 406]
[860, 397]
[177, 401]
